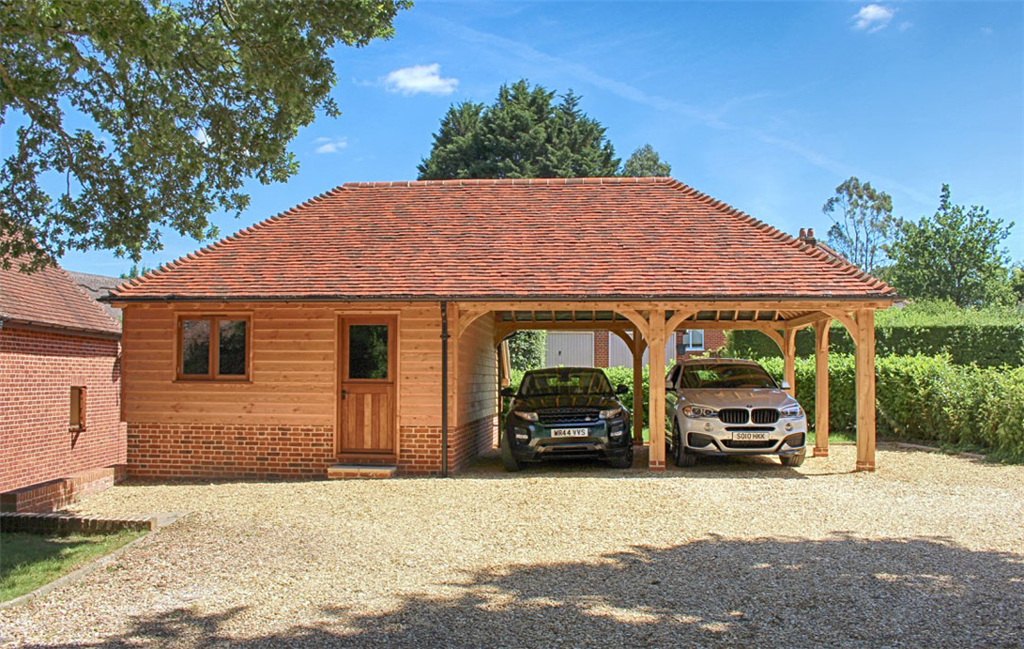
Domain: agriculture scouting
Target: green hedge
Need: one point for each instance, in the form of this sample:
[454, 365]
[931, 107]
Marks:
[925, 398]
[986, 337]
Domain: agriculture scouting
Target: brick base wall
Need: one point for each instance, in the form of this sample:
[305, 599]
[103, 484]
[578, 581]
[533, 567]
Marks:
[420, 452]
[37, 371]
[161, 451]
[57, 494]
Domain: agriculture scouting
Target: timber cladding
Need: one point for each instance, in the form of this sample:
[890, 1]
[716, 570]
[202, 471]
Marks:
[283, 419]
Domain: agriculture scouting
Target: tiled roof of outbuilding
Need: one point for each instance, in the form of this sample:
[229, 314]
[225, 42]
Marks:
[583, 238]
[50, 298]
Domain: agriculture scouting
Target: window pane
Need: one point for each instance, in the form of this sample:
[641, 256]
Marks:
[231, 347]
[697, 339]
[368, 352]
[195, 347]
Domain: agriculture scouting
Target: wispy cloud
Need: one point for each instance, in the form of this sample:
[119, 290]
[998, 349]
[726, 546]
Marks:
[420, 78]
[905, 25]
[713, 118]
[987, 31]
[872, 18]
[330, 144]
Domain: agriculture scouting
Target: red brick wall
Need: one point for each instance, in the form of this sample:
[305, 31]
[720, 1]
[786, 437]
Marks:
[601, 348]
[37, 371]
[420, 447]
[714, 339]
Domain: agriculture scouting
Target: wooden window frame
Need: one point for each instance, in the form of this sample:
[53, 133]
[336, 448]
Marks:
[214, 360]
[82, 402]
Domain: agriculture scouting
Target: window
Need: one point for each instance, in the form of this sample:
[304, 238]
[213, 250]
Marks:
[77, 419]
[691, 340]
[213, 347]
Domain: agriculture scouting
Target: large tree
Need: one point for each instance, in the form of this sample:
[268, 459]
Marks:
[645, 161]
[954, 255]
[525, 133]
[135, 115]
[862, 223]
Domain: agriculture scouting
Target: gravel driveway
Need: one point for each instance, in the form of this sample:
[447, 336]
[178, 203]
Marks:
[927, 551]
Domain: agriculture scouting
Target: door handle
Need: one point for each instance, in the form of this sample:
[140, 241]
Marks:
[344, 394]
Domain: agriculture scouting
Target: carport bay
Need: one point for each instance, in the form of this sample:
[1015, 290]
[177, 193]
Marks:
[362, 327]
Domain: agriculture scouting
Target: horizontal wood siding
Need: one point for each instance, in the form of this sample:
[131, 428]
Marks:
[477, 372]
[293, 366]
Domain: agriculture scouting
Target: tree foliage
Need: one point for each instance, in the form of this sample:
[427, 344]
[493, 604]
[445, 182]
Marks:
[644, 162]
[526, 349]
[142, 114]
[954, 255]
[862, 223]
[523, 134]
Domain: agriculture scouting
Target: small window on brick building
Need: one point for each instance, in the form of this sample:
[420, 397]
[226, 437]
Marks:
[691, 340]
[213, 347]
[77, 420]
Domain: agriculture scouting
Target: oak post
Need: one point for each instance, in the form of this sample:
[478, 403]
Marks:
[656, 414]
[821, 328]
[789, 360]
[865, 390]
[637, 347]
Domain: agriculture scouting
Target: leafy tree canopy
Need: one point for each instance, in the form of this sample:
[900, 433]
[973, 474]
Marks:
[954, 255]
[142, 114]
[862, 223]
[645, 161]
[525, 133]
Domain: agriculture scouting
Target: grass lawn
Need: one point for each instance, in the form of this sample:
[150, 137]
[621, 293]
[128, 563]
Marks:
[28, 561]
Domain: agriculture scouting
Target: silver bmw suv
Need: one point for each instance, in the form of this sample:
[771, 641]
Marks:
[725, 406]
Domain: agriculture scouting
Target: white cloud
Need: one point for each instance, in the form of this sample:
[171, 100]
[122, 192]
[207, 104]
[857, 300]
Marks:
[905, 25]
[420, 78]
[331, 144]
[201, 136]
[872, 18]
[987, 31]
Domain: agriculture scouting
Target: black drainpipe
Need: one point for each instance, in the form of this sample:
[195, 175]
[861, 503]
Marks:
[444, 389]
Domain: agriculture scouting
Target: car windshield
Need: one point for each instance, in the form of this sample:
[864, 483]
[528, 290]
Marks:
[564, 381]
[726, 375]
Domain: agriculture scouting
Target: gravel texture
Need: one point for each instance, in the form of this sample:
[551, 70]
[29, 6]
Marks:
[927, 551]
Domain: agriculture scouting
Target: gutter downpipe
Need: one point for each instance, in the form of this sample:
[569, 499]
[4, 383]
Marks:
[444, 389]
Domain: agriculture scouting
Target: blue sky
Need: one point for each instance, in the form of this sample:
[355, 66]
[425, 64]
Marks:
[767, 106]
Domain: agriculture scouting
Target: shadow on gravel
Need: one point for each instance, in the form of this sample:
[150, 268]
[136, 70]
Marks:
[488, 467]
[791, 592]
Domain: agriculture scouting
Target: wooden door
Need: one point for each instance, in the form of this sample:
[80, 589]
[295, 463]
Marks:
[367, 386]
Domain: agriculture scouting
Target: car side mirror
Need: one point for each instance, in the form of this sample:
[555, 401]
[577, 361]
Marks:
[621, 389]
[785, 385]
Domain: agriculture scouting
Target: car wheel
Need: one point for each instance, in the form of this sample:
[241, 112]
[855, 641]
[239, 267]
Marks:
[793, 460]
[679, 454]
[508, 460]
[624, 462]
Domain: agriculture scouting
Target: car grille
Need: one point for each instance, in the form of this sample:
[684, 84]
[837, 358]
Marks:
[734, 415]
[738, 443]
[764, 416]
[568, 415]
[750, 429]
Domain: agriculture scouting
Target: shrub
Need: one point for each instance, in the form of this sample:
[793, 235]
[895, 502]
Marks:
[926, 398]
[986, 337]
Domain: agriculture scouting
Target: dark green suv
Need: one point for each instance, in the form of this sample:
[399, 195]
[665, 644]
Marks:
[566, 412]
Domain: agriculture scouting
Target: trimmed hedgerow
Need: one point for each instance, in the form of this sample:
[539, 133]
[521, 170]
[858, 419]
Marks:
[925, 398]
[985, 337]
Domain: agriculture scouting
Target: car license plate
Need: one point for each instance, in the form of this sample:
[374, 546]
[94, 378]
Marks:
[750, 436]
[570, 432]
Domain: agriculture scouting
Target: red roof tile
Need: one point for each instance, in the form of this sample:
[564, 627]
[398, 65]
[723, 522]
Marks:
[50, 298]
[592, 238]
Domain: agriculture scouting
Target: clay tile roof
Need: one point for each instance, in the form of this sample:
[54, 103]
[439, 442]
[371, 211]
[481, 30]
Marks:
[51, 298]
[585, 238]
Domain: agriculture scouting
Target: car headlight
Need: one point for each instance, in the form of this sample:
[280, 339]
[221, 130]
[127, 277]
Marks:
[528, 416]
[608, 414]
[793, 412]
[700, 412]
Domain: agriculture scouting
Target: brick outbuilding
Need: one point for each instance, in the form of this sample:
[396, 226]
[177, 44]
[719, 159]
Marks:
[61, 433]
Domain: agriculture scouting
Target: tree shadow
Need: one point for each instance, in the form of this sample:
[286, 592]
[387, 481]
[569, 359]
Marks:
[842, 590]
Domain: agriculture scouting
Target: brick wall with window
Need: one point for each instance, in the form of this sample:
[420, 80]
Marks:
[60, 399]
